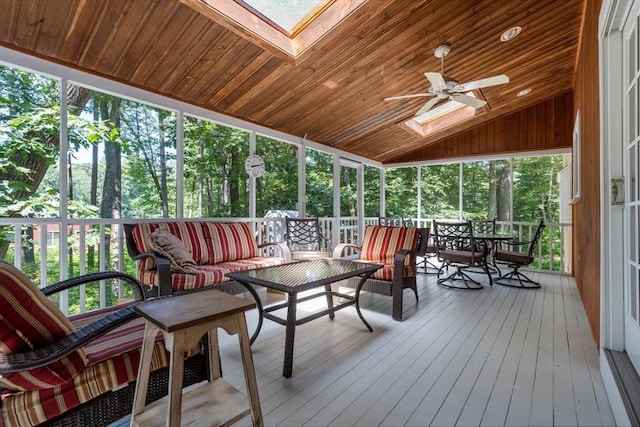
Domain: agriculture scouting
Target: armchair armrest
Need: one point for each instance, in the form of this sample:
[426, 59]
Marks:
[16, 362]
[163, 266]
[399, 260]
[286, 253]
[337, 252]
[136, 287]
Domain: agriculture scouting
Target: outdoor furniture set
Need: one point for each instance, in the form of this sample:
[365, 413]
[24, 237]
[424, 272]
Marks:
[468, 245]
[81, 370]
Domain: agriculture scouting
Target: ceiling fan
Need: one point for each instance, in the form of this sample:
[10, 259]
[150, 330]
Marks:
[443, 87]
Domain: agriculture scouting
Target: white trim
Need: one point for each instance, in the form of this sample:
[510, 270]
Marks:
[336, 186]
[460, 190]
[252, 179]
[179, 164]
[303, 199]
[383, 195]
[613, 394]
[576, 161]
[484, 158]
[612, 216]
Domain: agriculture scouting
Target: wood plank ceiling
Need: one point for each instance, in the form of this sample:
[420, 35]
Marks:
[334, 92]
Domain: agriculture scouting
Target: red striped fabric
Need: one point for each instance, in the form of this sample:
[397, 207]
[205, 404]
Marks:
[380, 244]
[29, 321]
[229, 241]
[209, 275]
[113, 361]
[386, 272]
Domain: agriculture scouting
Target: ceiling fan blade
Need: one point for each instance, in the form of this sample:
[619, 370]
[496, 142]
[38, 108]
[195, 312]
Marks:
[415, 95]
[436, 79]
[468, 100]
[426, 107]
[479, 84]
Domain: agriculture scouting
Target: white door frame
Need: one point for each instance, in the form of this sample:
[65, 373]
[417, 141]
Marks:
[612, 17]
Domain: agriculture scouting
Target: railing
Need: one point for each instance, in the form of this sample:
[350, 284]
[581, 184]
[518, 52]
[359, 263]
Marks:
[99, 244]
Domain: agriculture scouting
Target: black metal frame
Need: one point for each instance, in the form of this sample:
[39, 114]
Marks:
[304, 239]
[456, 247]
[515, 274]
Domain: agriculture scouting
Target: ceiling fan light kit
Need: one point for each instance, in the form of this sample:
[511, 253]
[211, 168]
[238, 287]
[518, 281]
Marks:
[443, 87]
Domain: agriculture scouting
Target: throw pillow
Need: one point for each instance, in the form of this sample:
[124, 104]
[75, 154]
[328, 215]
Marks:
[29, 321]
[172, 248]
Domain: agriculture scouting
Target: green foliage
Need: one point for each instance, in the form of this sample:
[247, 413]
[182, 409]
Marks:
[215, 184]
[535, 188]
[440, 191]
[371, 191]
[278, 187]
[401, 189]
[319, 170]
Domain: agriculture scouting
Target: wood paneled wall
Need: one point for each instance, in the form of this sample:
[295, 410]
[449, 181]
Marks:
[586, 213]
[544, 126]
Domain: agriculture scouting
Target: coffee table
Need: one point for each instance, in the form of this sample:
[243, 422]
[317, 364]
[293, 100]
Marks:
[302, 276]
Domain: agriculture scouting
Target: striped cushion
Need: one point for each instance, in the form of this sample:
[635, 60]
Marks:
[28, 321]
[386, 272]
[189, 232]
[208, 275]
[113, 361]
[381, 243]
[229, 241]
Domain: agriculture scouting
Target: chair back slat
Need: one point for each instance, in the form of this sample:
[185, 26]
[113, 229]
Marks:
[536, 238]
[484, 226]
[303, 234]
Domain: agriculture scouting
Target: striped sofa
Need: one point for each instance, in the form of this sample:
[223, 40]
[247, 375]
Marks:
[79, 370]
[217, 248]
[395, 248]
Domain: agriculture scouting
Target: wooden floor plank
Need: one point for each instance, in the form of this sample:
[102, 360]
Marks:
[499, 356]
[564, 412]
[529, 327]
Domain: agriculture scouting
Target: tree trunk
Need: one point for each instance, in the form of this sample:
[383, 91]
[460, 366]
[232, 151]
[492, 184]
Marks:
[492, 190]
[164, 194]
[234, 186]
[111, 190]
[504, 192]
[93, 197]
[29, 253]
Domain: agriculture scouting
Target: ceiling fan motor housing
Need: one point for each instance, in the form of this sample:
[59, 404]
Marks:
[444, 92]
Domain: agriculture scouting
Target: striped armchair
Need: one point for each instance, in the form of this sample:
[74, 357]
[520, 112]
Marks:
[395, 248]
[79, 370]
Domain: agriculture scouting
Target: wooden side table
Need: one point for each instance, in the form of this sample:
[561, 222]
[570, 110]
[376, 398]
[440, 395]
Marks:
[184, 320]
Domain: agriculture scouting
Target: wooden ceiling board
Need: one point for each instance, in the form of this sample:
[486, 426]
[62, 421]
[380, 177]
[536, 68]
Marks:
[334, 93]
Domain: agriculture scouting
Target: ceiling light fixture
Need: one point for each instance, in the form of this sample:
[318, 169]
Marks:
[524, 92]
[510, 34]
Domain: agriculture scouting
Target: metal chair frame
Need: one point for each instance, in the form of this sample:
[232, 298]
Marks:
[515, 274]
[303, 235]
[453, 241]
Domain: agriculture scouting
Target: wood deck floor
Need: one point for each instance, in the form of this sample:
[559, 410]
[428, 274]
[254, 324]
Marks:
[498, 356]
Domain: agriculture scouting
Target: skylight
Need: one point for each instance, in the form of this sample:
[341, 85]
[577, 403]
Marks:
[288, 27]
[442, 109]
[445, 115]
[289, 15]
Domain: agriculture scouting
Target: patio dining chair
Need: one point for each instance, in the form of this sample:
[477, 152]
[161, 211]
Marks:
[390, 221]
[519, 254]
[456, 247]
[305, 240]
[487, 226]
